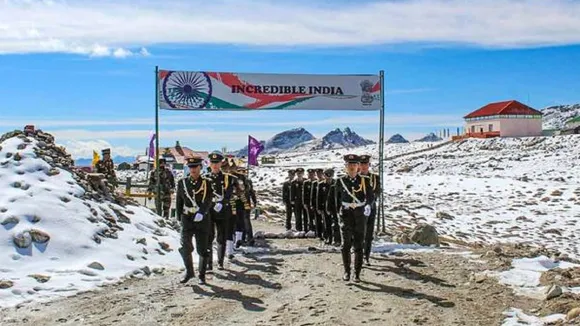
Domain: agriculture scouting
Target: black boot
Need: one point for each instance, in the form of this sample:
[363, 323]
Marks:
[346, 264]
[221, 253]
[358, 262]
[188, 262]
[202, 268]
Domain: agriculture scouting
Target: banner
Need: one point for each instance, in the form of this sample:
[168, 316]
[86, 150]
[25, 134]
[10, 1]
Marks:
[198, 90]
[254, 149]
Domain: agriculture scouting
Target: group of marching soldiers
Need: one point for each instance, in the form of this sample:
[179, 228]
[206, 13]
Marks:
[213, 206]
[338, 210]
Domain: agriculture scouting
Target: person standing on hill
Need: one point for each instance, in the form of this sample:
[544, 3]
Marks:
[375, 184]
[331, 210]
[166, 185]
[297, 196]
[288, 199]
[106, 166]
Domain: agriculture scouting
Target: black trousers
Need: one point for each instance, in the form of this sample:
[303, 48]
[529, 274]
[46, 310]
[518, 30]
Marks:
[370, 232]
[310, 225]
[248, 230]
[240, 214]
[300, 214]
[319, 224]
[353, 225]
[199, 230]
[328, 231]
[165, 206]
[289, 211]
[219, 225]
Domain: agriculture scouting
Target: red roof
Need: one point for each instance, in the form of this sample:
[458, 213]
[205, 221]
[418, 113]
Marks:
[503, 108]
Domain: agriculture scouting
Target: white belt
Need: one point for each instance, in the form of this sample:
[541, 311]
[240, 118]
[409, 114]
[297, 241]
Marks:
[190, 210]
[346, 205]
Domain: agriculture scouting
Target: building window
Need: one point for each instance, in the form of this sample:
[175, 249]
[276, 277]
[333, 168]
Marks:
[490, 128]
[472, 129]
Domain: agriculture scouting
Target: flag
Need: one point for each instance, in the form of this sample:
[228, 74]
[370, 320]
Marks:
[95, 158]
[151, 151]
[255, 147]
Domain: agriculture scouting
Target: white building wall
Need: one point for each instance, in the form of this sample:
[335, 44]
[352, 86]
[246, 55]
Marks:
[479, 125]
[520, 127]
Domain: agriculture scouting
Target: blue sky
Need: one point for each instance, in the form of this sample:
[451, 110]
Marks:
[89, 78]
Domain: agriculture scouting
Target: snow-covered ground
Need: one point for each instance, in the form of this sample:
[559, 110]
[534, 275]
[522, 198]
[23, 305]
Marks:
[55, 243]
[488, 191]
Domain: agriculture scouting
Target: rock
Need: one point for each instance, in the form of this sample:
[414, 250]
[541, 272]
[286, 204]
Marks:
[6, 284]
[39, 236]
[96, 265]
[40, 278]
[553, 291]
[17, 157]
[16, 184]
[165, 246]
[146, 270]
[22, 240]
[402, 238]
[22, 146]
[573, 313]
[130, 257]
[444, 216]
[142, 241]
[404, 169]
[10, 220]
[556, 193]
[53, 172]
[425, 235]
[33, 218]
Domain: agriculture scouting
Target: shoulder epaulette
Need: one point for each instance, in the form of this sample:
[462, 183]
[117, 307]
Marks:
[364, 176]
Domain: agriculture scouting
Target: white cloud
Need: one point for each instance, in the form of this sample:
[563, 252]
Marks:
[84, 149]
[110, 27]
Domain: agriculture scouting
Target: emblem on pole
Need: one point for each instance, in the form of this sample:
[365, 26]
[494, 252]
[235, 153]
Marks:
[366, 88]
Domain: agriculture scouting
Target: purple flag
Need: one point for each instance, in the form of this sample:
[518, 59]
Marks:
[254, 149]
[152, 146]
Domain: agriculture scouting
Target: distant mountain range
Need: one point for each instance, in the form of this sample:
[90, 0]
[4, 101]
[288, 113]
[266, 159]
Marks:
[397, 139]
[554, 117]
[116, 159]
[299, 139]
[430, 138]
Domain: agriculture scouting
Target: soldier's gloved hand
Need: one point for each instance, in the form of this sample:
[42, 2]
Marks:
[198, 217]
[367, 210]
[217, 207]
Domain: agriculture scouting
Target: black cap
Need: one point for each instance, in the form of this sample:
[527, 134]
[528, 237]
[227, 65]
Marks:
[319, 170]
[216, 157]
[311, 170]
[351, 158]
[365, 158]
[194, 161]
[291, 171]
[106, 151]
[300, 170]
[329, 172]
[162, 160]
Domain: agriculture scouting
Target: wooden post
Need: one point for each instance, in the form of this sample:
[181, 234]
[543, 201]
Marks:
[128, 187]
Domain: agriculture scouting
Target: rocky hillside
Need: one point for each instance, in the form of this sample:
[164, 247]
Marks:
[556, 116]
[397, 139]
[63, 231]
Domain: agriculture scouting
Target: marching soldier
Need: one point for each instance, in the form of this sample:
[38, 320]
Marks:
[355, 197]
[107, 167]
[317, 203]
[221, 210]
[332, 225]
[288, 198]
[167, 187]
[250, 201]
[323, 222]
[297, 196]
[237, 205]
[194, 197]
[375, 183]
[307, 198]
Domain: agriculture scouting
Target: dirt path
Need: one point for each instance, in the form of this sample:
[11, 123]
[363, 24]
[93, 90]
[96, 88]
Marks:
[292, 284]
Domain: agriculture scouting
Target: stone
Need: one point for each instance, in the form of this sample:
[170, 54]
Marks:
[40, 278]
[96, 265]
[10, 220]
[17, 157]
[556, 193]
[553, 292]
[425, 235]
[130, 257]
[444, 216]
[402, 238]
[573, 313]
[22, 240]
[53, 172]
[142, 241]
[6, 284]
[165, 246]
[39, 236]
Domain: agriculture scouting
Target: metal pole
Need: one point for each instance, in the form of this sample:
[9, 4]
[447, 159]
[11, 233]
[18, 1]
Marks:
[381, 210]
[147, 173]
[158, 184]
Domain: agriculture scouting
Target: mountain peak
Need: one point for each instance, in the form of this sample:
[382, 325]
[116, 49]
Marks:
[431, 137]
[397, 139]
[342, 139]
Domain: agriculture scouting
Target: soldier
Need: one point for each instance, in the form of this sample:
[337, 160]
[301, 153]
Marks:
[297, 192]
[375, 183]
[167, 188]
[107, 167]
[321, 209]
[221, 210]
[307, 198]
[288, 198]
[331, 210]
[355, 197]
[237, 202]
[194, 197]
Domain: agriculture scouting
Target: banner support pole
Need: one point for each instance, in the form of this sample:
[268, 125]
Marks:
[158, 184]
[380, 209]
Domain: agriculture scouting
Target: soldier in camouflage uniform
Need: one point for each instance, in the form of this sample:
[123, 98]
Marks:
[107, 167]
[166, 185]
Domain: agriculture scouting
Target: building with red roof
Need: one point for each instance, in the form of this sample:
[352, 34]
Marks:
[504, 119]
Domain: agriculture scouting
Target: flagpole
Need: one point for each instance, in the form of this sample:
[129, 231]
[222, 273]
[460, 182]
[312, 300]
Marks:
[147, 173]
[158, 184]
[380, 209]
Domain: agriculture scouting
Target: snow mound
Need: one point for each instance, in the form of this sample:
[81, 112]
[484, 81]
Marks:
[56, 241]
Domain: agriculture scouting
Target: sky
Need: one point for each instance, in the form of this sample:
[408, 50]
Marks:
[84, 70]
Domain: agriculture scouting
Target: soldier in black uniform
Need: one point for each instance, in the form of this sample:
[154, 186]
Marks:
[296, 196]
[331, 210]
[355, 197]
[221, 210]
[307, 196]
[375, 183]
[288, 199]
[321, 207]
[250, 201]
[194, 195]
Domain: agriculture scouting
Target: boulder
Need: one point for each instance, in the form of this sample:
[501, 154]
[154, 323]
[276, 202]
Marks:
[425, 235]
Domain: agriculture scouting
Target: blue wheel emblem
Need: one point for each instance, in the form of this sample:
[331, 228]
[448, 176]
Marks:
[187, 90]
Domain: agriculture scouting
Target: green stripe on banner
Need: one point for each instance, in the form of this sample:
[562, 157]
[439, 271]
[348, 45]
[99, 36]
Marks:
[219, 103]
[292, 103]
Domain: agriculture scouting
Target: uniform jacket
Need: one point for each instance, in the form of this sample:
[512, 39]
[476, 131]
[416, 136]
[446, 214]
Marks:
[106, 167]
[359, 187]
[200, 190]
[166, 182]
[297, 191]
